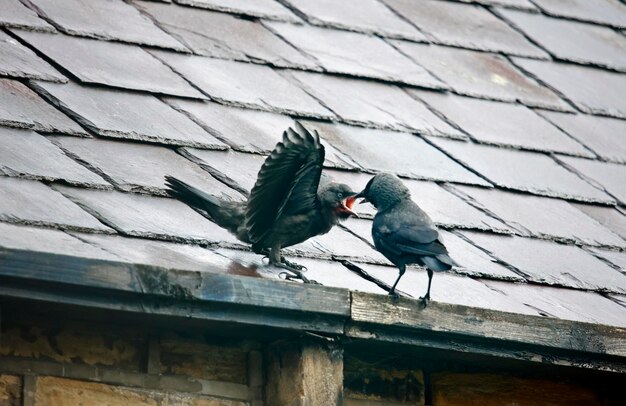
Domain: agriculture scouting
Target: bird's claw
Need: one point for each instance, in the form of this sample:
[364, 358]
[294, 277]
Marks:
[293, 265]
[293, 272]
[424, 301]
[293, 275]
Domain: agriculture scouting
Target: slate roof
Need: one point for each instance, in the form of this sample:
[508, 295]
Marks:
[506, 119]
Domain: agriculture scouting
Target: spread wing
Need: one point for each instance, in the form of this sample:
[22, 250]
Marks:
[287, 182]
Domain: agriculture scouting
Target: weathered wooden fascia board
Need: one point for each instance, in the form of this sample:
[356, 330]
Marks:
[211, 295]
[216, 296]
[468, 329]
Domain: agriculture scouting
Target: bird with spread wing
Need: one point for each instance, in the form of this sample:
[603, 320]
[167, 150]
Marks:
[287, 204]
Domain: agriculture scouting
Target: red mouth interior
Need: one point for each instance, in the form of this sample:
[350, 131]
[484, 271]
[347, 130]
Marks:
[349, 202]
[345, 207]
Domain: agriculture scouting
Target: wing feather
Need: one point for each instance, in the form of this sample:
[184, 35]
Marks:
[401, 238]
[287, 182]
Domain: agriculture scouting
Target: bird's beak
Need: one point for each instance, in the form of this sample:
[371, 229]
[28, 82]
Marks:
[361, 195]
[346, 205]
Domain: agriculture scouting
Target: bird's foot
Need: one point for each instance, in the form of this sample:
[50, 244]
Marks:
[293, 265]
[424, 301]
[395, 296]
[293, 273]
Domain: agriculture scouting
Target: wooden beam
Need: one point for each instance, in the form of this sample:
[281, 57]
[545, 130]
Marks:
[303, 373]
[241, 302]
[170, 292]
[466, 329]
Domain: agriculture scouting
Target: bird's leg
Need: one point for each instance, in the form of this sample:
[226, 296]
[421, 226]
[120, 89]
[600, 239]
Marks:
[294, 271]
[426, 297]
[393, 292]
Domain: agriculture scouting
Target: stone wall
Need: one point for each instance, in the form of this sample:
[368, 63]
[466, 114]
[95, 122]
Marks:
[53, 362]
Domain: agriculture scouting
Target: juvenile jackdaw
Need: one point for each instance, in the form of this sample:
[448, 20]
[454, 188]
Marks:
[402, 231]
[286, 206]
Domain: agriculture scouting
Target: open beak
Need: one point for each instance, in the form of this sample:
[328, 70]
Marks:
[361, 195]
[346, 206]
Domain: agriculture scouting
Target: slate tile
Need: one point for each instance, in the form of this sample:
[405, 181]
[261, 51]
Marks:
[225, 36]
[28, 154]
[147, 216]
[448, 288]
[617, 258]
[449, 210]
[549, 263]
[609, 12]
[573, 41]
[15, 14]
[604, 136]
[369, 16]
[140, 167]
[443, 207]
[37, 239]
[593, 91]
[475, 262]
[521, 170]
[110, 63]
[242, 129]
[466, 26]
[122, 114]
[235, 168]
[619, 299]
[267, 9]
[372, 104]
[611, 177]
[471, 260]
[542, 217]
[251, 130]
[510, 125]
[516, 4]
[355, 54]
[565, 304]
[244, 84]
[483, 75]
[157, 253]
[20, 62]
[32, 202]
[330, 273]
[338, 243]
[372, 150]
[247, 263]
[609, 217]
[21, 107]
[108, 19]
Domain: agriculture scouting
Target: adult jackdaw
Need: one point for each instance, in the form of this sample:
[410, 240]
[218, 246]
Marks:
[402, 231]
[286, 205]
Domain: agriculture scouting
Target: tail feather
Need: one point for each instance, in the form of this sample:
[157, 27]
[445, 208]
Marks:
[438, 263]
[190, 195]
[227, 214]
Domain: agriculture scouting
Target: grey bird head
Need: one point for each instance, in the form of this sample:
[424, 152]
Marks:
[384, 190]
[338, 198]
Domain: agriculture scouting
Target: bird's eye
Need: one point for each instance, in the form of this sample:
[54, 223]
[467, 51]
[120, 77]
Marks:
[340, 195]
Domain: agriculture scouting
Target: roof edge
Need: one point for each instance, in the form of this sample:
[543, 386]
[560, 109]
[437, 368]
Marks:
[242, 300]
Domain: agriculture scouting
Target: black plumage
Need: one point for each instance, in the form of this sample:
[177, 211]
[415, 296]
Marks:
[402, 231]
[286, 206]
